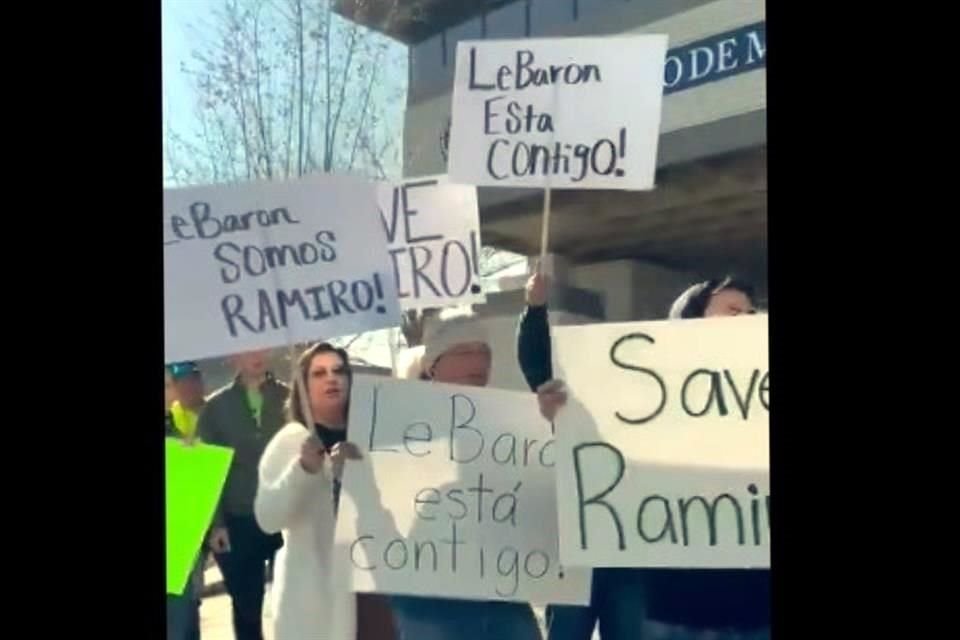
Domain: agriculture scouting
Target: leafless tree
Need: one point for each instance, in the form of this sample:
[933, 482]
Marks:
[284, 88]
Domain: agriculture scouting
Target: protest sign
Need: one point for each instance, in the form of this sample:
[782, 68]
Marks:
[433, 233]
[264, 264]
[578, 113]
[663, 449]
[455, 495]
[194, 477]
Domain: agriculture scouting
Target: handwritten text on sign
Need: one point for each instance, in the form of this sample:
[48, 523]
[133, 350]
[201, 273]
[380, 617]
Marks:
[433, 231]
[266, 263]
[663, 451]
[566, 112]
[455, 496]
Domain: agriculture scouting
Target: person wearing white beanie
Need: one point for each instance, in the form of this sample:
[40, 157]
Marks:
[456, 350]
[458, 335]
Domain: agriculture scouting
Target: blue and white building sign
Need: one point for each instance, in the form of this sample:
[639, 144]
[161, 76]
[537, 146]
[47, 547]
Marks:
[715, 58]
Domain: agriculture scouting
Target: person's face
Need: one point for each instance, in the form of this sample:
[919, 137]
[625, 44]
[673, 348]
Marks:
[189, 390]
[328, 385]
[728, 302]
[467, 364]
[252, 364]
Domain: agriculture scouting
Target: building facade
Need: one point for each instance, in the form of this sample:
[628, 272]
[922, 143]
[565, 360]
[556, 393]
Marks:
[623, 255]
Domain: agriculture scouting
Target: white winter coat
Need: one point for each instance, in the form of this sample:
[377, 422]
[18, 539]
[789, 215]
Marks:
[311, 601]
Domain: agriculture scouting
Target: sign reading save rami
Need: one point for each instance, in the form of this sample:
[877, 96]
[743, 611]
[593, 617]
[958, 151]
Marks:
[263, 264]
[579, 113]
[663, 449]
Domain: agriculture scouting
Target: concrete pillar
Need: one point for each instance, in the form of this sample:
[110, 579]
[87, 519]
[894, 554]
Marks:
[633, 290]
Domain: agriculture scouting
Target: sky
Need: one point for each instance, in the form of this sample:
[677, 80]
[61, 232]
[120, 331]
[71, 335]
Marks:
[176, 16]
[179, 20]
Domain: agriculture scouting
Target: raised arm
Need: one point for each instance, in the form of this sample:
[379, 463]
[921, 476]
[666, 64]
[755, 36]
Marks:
[533, 334]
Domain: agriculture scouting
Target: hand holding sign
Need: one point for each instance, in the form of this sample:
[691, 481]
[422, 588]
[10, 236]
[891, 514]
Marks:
[551, 396]
[345, 451]
[219, 540]
[536, 289]
[312, 453]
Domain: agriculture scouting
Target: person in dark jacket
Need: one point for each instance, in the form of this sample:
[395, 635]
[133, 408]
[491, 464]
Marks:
[244, 416]
[652, 604]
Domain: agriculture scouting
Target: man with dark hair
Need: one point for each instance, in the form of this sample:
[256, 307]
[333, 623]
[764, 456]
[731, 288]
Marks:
[244, 416]
[732, 604]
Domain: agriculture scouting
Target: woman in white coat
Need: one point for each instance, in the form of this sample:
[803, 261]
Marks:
[298, 493]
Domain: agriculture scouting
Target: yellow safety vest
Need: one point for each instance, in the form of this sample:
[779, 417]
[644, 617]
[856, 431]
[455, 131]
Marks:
[184, 420]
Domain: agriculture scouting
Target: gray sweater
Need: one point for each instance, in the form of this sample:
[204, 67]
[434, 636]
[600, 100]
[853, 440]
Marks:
[227, 420]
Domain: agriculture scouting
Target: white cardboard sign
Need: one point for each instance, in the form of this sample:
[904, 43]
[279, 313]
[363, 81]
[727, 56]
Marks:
[575, 113]
[663, 449]
[263, 264]
[433, 233]
[455, 496]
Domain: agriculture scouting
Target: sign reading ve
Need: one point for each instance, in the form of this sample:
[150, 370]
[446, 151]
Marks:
[433, 232]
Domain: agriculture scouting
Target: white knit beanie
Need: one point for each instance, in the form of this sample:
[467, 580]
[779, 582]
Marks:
[453, 326]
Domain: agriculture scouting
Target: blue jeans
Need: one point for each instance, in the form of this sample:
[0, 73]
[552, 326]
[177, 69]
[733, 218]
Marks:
[444, 619]
[244, 570]
[658, 631]
[617, 602]
[183, 613]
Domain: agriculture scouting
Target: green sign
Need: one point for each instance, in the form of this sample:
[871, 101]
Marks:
[195, 475]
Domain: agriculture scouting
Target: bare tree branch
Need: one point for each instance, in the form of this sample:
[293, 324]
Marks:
[351, 49]
[260, 116]
[363, 110]
[327, 96]
[259, 65]
[300, 79]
